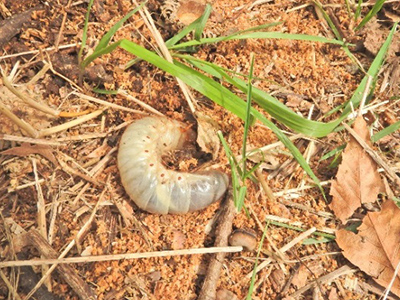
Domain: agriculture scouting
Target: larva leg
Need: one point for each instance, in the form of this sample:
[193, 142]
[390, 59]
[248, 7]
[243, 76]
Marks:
[153, 187]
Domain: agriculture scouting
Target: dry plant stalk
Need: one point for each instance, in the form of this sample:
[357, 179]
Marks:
[224, 229]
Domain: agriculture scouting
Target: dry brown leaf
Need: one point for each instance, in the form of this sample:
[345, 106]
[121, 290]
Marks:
[190, 11]
[207, 137]
[301, 276]
[375, 249]
[178, 240]
[357, 180]
[26, 149]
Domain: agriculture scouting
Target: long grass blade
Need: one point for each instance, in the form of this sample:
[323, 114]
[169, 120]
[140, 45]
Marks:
[375, 9]
[259, 35]
[384, 132]
[84, 35]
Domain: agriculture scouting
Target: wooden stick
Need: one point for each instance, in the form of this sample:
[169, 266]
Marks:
[224, 229]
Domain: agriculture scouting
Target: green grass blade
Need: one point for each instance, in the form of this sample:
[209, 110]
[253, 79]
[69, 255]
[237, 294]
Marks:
[227, 99]
[247, 120]
[329, 21]
[375, 9]
[358, 10]
[285, 115]
[234, 169]
[253, 276]
[185, 31]
[202, 22]
[241, 197]
[334, 152]
[107, 37]
[100, 52]
[259, 35]
[84, 35]
[384, 132]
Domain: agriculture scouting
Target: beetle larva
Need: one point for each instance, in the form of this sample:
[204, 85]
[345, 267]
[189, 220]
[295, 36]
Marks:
[153, 187]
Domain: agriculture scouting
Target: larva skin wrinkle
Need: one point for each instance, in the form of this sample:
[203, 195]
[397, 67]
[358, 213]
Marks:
[153, 187]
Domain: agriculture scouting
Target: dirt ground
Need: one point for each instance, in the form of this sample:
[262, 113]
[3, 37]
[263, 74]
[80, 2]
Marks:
[56, 182]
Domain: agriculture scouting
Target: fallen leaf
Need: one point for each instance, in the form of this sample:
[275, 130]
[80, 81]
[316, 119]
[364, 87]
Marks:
[301, 276]
[26, 149]
[278, 280]
[178, 240]
[357, 180]
[375, 249]
[190, 11]
[207, 137]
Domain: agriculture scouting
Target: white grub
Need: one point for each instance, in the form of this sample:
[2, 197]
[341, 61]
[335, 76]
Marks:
[146, 180]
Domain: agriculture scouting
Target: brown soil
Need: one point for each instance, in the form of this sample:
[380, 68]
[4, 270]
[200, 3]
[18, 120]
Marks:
[300, 74]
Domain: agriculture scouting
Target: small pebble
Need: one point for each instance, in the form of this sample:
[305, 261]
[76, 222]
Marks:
[244, 238]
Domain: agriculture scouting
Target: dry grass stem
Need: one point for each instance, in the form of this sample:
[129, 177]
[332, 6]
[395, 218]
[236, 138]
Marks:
[365, 95]
[39, 106]
[32, 52]
[297, 223]
[98, 258]
[13, 291]
[102, 163]
[70, 124]
[296, 191]
[62, 76]
[141, 103]
[108, 104]
[326, 278]
[71, 171]
[60, 33]
[23, 186]
[22, 139]
[38, 75]
[323, 214]
[81, 137]
[285, 248]
[71, 244]
[41, 220]
[268, 191]
[20, 123]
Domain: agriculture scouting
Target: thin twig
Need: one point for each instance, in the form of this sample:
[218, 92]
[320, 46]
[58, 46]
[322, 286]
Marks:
[22, 139]
[141, 103]
[98, 258]
[285, 248]
[224, 229]
[112, 105]
[38, 51]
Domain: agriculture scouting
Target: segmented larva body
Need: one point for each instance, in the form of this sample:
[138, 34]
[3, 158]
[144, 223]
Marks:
[153, 187]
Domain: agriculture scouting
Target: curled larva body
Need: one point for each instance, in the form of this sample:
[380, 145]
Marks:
[153, 187]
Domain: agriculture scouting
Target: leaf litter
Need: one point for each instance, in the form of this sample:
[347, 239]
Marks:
[357, 181]
[375, 248]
